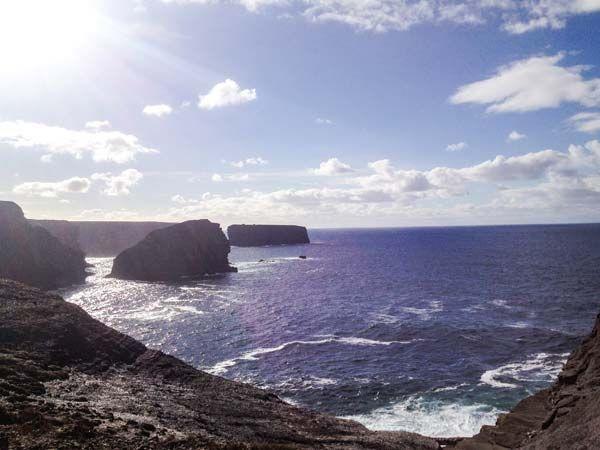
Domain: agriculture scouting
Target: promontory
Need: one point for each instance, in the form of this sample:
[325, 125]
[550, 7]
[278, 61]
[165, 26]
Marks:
[260, 235]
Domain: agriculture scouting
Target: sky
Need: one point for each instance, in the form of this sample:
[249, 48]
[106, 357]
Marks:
[325, 113]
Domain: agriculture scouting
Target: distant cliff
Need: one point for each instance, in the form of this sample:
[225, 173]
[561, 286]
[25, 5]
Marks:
[185, 250]
[100, 238]
[259, 235]
[32, 255]
[68, 381]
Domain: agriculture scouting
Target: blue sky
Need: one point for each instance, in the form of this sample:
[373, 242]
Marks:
[320, 112]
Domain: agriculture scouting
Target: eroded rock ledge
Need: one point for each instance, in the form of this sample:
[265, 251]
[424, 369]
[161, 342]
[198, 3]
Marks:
[67, 380]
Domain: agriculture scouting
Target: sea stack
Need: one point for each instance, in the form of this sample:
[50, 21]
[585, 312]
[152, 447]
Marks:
[186, 250]
[260, 235]
[32, 255]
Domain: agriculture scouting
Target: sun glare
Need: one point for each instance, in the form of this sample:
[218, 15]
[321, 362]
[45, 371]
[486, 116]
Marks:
[35, 33]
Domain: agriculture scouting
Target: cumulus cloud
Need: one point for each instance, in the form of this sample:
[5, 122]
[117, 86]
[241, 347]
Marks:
[75, 185]
[544, 181]
[254, 161]
[119, 184]
[97, 124]
[532, 84]
[380, 16]
[332, 166]
[515, 136]
[587, 122]
[157, 110]
[231, 177]
[456, 147]
[226, 93]
[103, 146]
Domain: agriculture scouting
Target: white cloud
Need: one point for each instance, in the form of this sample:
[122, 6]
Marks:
[515, 136]
[587, 122]
[322, 121]
[46, 158]
[515, 16]
[332, 166]
[119, 184]
[75, 185]
[157, 110]
[226, 93]
[532, 84]
[97, 124]
[254, 161]
[103, 146]
[108, 215]
[231, 177]
[456, 147]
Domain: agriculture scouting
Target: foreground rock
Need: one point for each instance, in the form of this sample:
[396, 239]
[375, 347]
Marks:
[260, 235]
[68, 381]
[100, 238]
[30, 254]
[565, 416]
[186, 250]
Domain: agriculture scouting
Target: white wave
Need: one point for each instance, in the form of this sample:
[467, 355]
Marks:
[425, 313]
[539, 367]
[449, 388]
[222, 367]
[190, 309]
[501, 303]
[431, 418]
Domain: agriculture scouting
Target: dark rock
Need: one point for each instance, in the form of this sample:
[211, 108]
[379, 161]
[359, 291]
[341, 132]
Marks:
[121, 380]
[302, 256]
[567, 415]
[259, 235]
[32, 255]
[186, 250]
[66, 232]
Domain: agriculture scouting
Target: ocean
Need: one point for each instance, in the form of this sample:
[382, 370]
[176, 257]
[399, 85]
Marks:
[431, 330]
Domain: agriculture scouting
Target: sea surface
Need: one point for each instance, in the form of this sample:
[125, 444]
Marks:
[432, 330]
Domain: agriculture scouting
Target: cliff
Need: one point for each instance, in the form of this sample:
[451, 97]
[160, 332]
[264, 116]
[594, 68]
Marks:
[100, 238]
[566, 415]
[259, 235]
[185, 250]
[68, 381]
[30, 254]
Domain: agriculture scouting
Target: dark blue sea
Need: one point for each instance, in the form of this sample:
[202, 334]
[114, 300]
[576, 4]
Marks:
[433, 330]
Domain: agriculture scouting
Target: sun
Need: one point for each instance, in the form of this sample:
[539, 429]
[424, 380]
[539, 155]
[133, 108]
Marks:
[35, 33]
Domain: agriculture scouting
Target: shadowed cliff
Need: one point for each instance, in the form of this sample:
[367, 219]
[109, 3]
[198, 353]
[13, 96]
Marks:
[260, 235]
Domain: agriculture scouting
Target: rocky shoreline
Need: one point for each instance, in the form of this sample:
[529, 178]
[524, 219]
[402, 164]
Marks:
[67, 380]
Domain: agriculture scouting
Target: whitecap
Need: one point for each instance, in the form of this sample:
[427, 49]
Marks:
[222, 367]
[431, 418]
[539, 367]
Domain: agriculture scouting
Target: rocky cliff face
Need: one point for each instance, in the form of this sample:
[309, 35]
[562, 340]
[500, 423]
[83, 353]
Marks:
[68, 381]
[259, 235]
[186, 250]
[565, 416]
[30, 254]
[100, 238]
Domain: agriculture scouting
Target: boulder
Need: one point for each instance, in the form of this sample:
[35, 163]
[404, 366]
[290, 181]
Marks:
[260, 235]
[32, 255]
[185, 250]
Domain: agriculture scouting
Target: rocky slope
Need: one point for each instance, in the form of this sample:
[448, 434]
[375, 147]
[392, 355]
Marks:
[68, 381]
[259, 235]
[185, 250]
[565, 416]
[32, 255]
[100, 238]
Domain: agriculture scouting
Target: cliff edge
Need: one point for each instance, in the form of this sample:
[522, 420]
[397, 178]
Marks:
[32, 255]
[566, 415]
[260, 235]
[68, 381]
